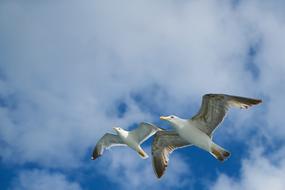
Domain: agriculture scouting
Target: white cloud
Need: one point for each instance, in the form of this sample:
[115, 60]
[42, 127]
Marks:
[67, 65]
[257, 172]
[73, 65]
[43, 180]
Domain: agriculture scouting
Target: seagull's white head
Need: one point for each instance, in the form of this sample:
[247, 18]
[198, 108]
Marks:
[120, 131]
[173, 120]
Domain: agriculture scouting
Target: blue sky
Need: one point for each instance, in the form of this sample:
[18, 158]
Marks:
[72, 70]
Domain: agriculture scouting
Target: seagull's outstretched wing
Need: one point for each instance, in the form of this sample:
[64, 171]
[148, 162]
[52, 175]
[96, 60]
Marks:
[214, 108]
[164, 143]
[107, 141]
[144, 131]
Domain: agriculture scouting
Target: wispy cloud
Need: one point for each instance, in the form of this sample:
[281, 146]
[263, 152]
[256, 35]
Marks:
[259, 171]
[43, 180]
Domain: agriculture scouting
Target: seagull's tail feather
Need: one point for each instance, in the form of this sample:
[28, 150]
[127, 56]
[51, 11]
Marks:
[143, 154]
[219, 153]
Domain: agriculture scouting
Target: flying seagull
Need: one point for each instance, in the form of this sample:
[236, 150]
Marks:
[133, 139]
[196, 131]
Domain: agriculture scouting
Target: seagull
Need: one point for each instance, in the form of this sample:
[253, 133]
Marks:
[133, 139]
[196, 131]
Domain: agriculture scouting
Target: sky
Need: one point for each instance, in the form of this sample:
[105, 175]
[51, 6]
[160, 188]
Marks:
[71, 70]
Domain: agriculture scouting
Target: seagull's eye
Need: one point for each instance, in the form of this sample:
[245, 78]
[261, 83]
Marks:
[171, 117]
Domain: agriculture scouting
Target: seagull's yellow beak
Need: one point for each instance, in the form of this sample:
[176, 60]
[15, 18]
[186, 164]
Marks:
[164, 118]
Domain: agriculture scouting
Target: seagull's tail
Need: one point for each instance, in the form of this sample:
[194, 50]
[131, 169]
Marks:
[142, 153]
[219, 153]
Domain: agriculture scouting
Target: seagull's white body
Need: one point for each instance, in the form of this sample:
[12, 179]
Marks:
[189, 132]
[130, 140]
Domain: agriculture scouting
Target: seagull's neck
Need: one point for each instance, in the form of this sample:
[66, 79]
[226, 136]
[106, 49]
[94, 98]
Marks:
[179, 123]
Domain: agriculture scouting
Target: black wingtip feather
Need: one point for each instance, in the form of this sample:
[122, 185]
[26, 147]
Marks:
[158, 167]
[95, 154]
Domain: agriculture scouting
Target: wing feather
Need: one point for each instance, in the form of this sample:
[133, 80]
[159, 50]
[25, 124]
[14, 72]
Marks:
[144, 131]
[164, 143]
[214, 108]
[107, 141]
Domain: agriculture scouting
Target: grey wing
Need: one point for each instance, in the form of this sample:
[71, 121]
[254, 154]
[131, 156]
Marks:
[214, 108]
[107, 141]
[164, 143]
[144, 131]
